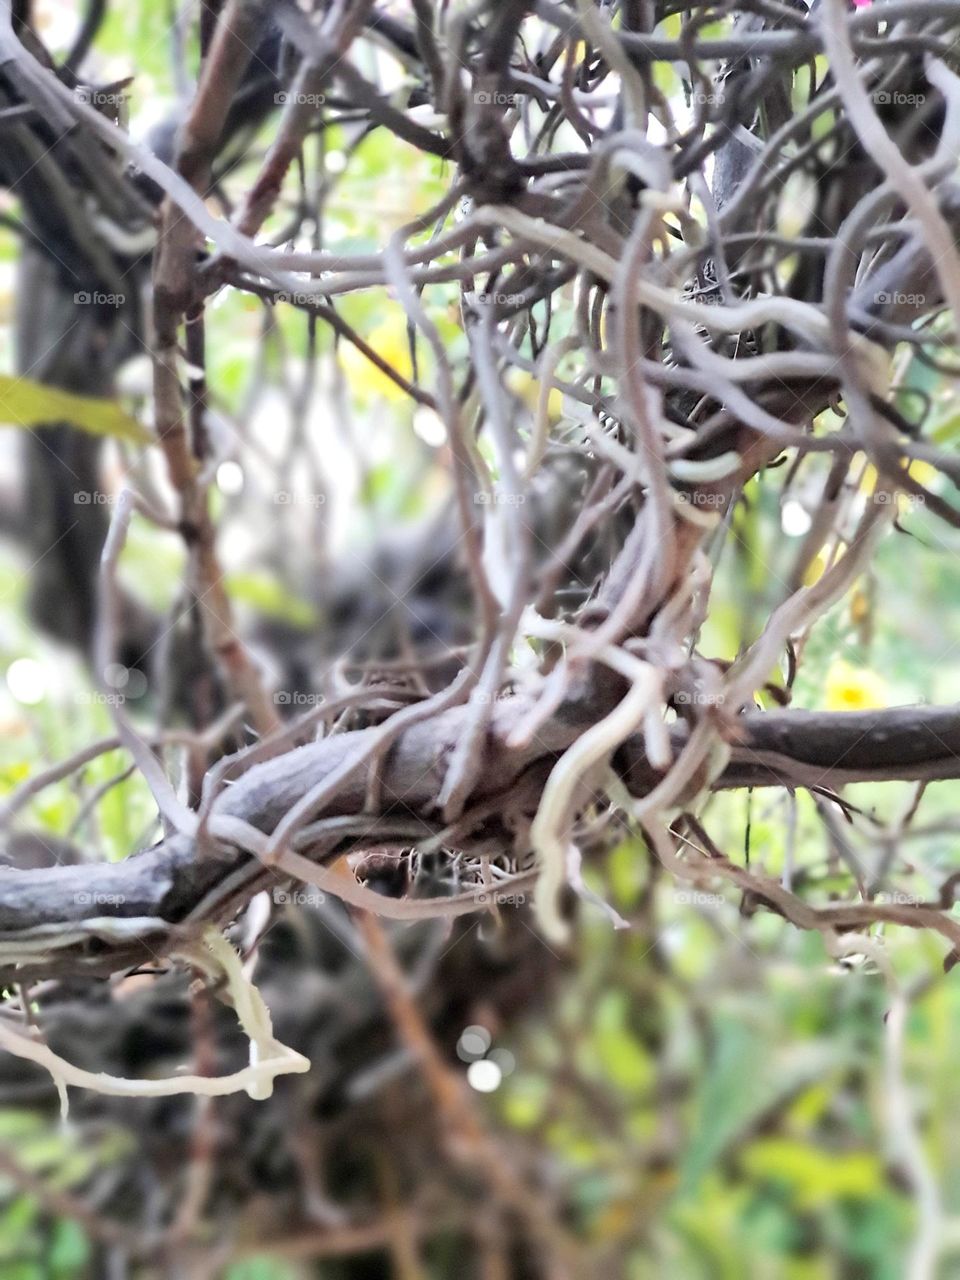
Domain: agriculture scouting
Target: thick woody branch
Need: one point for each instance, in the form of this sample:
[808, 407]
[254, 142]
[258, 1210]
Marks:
[107, 916]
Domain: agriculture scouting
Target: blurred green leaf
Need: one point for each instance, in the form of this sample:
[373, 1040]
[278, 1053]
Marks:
[267, 596]
[814, 1176]
[745, 1078]
[24, 403]
[69, 1249]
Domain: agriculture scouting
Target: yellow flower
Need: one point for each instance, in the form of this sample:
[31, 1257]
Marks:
[815, 569]
[922, 472]
[859, 607]
[526, 388]
[851, 688]
[391, 343]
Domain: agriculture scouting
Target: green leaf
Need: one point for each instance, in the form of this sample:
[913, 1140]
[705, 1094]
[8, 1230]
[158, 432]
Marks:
[29, 404]
[268, 597]
[69, 1249]
[747, 1076]
[816, 1177]
[260, 1268]
[623, 1057]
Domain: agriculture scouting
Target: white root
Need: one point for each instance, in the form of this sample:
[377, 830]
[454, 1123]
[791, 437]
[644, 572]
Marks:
[549, 830]
[268, 1057]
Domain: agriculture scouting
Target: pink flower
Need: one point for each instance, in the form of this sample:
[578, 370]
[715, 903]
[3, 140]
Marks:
[861, 4]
